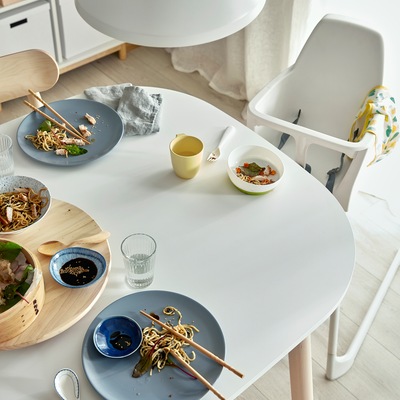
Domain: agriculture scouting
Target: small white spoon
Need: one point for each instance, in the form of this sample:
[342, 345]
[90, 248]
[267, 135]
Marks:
[66, 383]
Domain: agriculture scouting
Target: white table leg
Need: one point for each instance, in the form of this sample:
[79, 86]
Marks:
[300, 365]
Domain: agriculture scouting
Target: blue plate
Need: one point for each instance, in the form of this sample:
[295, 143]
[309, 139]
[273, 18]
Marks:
[107, 132]
[117, 336]
[71, 253]
[112, 378]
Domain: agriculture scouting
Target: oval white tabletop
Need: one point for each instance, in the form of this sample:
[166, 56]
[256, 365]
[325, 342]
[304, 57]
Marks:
[270, 268]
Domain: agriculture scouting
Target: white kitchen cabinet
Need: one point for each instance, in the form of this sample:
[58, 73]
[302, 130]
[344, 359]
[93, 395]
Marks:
[25, 27]
[77, 36]
[54, 26]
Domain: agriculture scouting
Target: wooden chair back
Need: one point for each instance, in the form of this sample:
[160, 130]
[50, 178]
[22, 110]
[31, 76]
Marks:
[30, 69]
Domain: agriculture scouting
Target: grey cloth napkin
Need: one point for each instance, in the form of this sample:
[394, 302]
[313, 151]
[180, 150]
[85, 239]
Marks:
[139, 110]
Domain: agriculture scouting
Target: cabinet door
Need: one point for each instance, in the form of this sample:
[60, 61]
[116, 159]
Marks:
[26, 27]
[77, 36]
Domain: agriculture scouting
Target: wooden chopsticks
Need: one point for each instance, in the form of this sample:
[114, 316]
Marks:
[71, 130]
[200, 377]
[194, 344]
[54, 111]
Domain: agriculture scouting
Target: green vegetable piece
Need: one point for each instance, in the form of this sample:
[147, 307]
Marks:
[13, 293]
[75, 150]
[9, 250]
[252, 170]
[145, 362]
[45, 126]
[142, 366]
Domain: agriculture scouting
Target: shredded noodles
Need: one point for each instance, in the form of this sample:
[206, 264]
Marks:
[159, 343]
[48, 140]
[56, 140]
[20, 208]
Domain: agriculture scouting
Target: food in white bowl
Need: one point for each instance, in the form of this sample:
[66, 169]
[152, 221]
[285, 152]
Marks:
[24, 201]
[255, 169]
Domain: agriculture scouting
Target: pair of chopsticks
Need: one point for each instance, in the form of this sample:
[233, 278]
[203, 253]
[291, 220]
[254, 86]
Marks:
[201, 349]
[69, 128]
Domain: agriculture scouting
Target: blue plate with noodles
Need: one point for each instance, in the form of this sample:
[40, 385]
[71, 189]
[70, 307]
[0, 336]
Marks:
[106, 133]
[112, 378]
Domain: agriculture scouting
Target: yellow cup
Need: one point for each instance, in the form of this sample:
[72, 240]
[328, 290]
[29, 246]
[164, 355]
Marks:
[186, 155]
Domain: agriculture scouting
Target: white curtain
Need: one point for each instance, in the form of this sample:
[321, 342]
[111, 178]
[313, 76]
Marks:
[241, 64]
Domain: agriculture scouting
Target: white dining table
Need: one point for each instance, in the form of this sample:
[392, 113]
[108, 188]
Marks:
[270, 269]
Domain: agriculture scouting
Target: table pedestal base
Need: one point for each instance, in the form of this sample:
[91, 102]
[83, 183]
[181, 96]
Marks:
[300, 365]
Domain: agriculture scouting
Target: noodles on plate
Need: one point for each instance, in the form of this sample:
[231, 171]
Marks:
[157, 344]
[56, 140]
[48, 140]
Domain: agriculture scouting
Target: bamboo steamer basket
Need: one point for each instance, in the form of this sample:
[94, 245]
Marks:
[19, 317]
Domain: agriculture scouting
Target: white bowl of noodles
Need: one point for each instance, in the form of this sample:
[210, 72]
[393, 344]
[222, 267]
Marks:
[255, 170]
[24, 201]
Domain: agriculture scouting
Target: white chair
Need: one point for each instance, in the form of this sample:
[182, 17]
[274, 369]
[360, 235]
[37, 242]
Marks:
[29, 69]
[340, 63]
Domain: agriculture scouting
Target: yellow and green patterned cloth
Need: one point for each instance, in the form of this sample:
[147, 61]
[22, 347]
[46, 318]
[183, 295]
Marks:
[378, 103]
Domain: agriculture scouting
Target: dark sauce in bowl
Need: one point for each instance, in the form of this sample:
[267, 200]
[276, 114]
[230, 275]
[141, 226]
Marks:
[78, 271]
[120, 341]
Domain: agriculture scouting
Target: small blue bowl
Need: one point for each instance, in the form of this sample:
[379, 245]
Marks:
[77, 267]
[117, 336]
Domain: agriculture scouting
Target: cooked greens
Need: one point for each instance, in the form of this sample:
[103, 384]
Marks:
[13, 289]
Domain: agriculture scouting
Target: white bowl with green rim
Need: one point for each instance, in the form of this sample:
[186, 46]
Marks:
[263, 157]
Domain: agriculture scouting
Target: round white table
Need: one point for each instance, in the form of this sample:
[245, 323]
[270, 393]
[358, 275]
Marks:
[271, 268]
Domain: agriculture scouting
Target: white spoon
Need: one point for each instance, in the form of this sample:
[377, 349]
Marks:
[66, 383]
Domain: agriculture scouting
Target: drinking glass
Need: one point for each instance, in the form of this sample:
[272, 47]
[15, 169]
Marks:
[6, 156]
[139, 253]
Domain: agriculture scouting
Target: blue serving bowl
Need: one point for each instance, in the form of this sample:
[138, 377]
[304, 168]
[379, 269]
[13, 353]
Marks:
[75, 258]
[117, 336]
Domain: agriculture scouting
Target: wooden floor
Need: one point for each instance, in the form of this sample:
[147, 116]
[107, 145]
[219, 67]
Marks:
[144, 67]
[376, 372]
